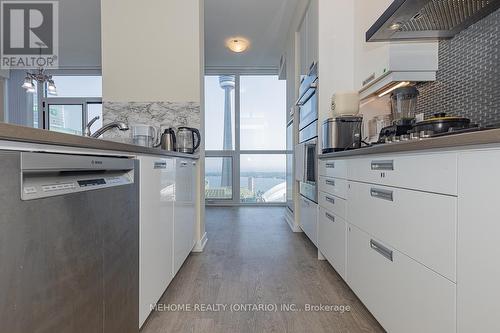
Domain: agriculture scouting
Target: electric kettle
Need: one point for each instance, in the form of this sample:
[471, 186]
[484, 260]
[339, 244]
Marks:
[188, 139]
[168, 140]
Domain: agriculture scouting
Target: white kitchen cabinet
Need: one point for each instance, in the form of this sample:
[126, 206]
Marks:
[332, 239]
[332, 203]
[478, 271]
[419, 224]
[312, 32]
[402, 294]
[303, 46]
[334, 186]
[432, 172]
[309, 219]
[184, 211]
[308, 38]
[333, 168]
[156, 222]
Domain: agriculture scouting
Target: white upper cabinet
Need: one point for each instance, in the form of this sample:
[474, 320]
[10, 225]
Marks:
[380, 63]
[308, 38]
[312, 33]
[303, 46]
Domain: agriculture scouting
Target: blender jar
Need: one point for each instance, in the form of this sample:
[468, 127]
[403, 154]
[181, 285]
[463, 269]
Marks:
[404, 105]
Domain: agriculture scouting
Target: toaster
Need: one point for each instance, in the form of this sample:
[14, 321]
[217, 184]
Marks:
[341, 133]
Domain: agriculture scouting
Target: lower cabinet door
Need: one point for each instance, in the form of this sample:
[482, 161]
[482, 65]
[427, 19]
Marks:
[184, 215]
[157, 177]
[332, 240]
[309, 219]
[403, 295]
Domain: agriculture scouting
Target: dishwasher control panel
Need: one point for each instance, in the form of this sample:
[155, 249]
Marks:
[38, 186]
[53, 174]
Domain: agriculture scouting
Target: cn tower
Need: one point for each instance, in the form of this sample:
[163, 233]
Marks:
[227, 82]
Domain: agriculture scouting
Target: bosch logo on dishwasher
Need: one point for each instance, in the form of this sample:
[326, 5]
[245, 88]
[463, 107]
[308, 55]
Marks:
[95, 162]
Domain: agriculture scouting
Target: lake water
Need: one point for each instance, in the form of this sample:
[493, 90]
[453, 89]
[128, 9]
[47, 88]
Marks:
[262, 184]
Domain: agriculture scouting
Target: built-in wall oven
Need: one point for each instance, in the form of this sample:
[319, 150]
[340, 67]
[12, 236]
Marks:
[306, 151]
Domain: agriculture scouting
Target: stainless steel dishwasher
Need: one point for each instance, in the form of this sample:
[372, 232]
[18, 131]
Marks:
[69, 243]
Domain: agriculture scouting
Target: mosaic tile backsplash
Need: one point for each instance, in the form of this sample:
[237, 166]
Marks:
[468, 79]
[165, 114]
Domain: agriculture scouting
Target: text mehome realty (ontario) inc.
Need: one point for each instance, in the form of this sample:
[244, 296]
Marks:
[250, 307]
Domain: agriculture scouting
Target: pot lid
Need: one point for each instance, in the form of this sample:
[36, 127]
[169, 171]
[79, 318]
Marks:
[443, 118]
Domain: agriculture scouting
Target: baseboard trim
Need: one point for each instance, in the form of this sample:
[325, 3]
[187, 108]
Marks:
[200, 245]
[290, 221]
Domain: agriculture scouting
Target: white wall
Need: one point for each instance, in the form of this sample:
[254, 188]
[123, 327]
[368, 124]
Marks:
[2, 99]
[80, 34]
[151, 50]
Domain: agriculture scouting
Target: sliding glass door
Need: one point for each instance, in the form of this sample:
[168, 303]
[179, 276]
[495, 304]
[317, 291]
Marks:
[245, 139]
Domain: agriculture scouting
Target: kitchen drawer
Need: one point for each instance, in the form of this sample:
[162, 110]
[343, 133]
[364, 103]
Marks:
[333, 168]
[419, 224]
[334, 186]
[403, 295]
[332, 203]
[309, 219]
[435, 172]
[332, 240]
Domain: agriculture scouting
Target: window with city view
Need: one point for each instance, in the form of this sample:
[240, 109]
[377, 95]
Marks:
[245, 139]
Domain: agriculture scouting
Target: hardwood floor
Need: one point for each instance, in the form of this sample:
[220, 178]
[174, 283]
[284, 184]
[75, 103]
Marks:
[252, 257]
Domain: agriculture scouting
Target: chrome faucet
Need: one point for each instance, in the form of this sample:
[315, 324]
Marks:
[89, 125]
[115, 124]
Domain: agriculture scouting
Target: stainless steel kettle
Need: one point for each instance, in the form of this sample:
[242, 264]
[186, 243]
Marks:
[189, 139]
[168, 140]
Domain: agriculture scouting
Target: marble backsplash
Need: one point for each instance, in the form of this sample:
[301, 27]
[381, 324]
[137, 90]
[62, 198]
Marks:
[164, 114]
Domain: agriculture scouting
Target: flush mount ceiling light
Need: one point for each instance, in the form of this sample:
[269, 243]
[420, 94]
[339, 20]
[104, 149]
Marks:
[237, 44]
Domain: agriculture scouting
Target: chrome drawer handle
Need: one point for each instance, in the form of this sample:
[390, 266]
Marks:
[330, 217]
[385, 252]
[382, 194]
[330, 165]
[160, 165]
[330, 182]
[382, 165]
[330, 200]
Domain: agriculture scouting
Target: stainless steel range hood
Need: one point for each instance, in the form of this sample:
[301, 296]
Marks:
[428, 19]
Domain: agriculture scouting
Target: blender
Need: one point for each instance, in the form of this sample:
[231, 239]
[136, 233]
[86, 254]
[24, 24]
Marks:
[403, 109]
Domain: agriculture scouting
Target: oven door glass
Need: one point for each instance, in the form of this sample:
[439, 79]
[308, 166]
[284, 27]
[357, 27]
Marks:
[310, 163]
[308, 112]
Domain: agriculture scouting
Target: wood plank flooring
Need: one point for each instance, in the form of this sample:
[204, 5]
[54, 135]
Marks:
[252, 257]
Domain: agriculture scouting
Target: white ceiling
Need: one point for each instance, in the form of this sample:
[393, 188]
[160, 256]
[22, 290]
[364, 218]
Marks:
[264, 22]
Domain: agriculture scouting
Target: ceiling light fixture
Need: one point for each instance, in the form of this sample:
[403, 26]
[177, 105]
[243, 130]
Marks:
[237, 44]
[28, 83]
[41, 77]
[391, 88]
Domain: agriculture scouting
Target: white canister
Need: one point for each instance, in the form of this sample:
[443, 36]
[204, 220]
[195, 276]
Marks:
[345, 103]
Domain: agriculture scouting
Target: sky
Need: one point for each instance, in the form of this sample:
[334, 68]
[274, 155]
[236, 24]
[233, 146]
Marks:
[263, 120]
